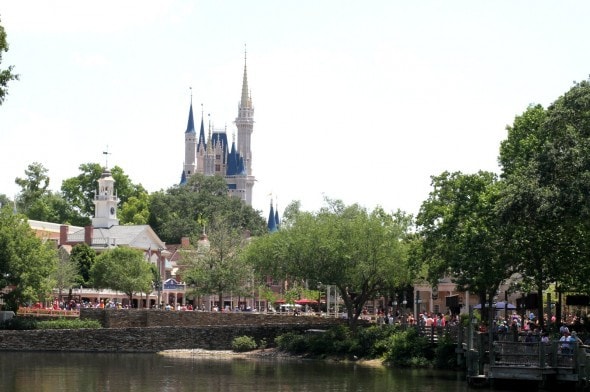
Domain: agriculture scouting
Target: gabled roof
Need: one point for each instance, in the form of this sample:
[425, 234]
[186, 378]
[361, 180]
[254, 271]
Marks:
[135, 236]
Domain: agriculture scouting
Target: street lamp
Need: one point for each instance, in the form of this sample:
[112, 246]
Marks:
[418, 301]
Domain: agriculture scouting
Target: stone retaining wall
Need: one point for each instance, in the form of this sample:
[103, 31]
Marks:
[151, 339]
[125, 318]
[154, 330]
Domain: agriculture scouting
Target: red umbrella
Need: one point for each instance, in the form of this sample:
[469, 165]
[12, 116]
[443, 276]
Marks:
[305, 301]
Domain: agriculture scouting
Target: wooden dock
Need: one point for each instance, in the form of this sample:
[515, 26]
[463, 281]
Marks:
[544, 363]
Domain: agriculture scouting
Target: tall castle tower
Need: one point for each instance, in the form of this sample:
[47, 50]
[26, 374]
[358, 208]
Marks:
[214, 156]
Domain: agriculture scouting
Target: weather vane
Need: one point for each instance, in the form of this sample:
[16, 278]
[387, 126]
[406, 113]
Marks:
[106, 154]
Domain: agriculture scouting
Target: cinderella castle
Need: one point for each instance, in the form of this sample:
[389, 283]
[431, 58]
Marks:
[211, 154]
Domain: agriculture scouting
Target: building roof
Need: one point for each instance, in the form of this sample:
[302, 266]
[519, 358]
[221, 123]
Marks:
[135, 236]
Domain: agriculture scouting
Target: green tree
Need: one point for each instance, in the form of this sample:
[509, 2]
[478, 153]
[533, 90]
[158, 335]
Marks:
[83, 256]
[461, 235]
[122, 269]
[65, 276]
[135, 210]
[4, 200]
[545, 203]
[79, 191]
[362, 253]
[215, 266]
[174, 213]
[26, 262]
[33, 186]
[6, 75]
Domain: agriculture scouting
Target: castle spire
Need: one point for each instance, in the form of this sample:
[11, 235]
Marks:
[245, 101]
[201, 132]
[272, 223]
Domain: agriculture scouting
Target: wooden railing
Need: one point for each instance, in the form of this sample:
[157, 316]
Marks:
[43, 312]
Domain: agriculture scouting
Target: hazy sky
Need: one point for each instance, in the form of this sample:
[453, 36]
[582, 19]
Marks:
[355, 100]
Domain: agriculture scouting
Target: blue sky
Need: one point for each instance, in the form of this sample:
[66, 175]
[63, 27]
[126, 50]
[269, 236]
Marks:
[359, 101]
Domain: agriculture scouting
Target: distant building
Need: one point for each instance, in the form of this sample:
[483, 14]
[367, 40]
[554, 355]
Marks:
[212, 154]
[106, 233]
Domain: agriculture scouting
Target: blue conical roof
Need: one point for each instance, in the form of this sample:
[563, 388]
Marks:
[190, 127]
[202, 140]
[272, 224]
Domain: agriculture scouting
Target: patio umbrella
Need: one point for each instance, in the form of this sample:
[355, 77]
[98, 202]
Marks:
[305, 301]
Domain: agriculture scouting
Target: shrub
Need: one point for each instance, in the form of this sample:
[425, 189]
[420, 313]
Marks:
[72, 323]
[19, 323]
[371, 342]
[292, 343]
[444, 353]
[406, 348]
[243, 343]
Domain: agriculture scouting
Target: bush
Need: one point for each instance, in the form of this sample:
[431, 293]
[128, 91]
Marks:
[406, 348]
[19, 323]
[292, 342]
[444, 353]
[371, 342]
[243, 343]
[72, 323]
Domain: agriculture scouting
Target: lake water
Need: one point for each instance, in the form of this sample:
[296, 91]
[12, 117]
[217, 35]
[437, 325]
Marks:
[49, 372]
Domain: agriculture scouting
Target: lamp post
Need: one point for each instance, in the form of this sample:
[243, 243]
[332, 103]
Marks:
[418, 301]
[404, 303]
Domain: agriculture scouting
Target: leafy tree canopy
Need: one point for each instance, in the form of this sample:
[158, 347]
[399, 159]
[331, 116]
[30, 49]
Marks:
[184, 210]
[26, 262]
[6, 75]
[363, 253]
[460, 233]
[215, 265]
[122, 269]
[79, 191]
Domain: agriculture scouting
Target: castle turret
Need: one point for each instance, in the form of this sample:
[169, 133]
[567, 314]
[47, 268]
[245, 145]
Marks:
[190, 147]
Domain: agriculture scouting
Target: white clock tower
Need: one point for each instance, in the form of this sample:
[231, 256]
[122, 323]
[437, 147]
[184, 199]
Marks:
[105, 202]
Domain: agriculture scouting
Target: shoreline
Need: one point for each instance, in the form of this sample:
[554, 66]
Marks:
[267, 353]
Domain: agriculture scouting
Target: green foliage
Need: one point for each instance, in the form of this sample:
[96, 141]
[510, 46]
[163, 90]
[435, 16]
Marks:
[79, 192]
[33, 186]
[83, 256]
[122, 269]
[26, 262]
[216, 266]
[292, 342]
[243, 343]
[462, 235]
[68, 323]
[362, 253]
[6, 75]
[28, 323]
[371, 342]
[444, 353]
[338, 341]
[183, 210]
[65, 275]
[406, 348]
[19, 323]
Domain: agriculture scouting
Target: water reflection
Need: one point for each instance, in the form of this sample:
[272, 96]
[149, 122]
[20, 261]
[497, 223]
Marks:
[49, 372]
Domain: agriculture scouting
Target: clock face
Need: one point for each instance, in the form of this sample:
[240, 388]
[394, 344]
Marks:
[112, 210]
